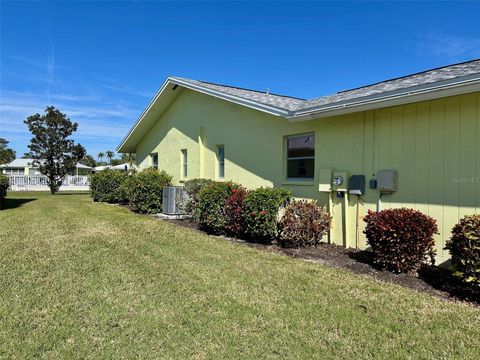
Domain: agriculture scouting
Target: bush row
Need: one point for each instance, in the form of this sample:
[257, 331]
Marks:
[401, 239]
[228, 208]
[143, 191]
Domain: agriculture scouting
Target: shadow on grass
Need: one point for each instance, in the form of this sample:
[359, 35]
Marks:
[436, 277]
[64, 193]
[12, 203]
[443, 280]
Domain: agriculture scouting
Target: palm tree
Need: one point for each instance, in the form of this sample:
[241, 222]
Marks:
[109, 154]
[100, 156]
[128, 158]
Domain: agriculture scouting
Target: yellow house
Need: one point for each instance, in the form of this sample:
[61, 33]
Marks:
[411, 142]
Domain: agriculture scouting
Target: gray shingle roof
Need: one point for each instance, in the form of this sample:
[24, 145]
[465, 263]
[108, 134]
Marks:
[293, 105]
[280, 101]
[422, 78]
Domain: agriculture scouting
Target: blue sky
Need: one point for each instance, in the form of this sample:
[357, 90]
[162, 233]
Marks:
[102, 62]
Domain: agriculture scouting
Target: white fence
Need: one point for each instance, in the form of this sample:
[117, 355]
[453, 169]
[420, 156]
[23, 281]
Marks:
[39, 183]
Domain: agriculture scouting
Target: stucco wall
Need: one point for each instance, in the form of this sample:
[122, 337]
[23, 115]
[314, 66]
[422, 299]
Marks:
[433, 145]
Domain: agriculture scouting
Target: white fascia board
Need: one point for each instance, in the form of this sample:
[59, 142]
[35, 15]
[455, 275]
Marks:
[430, 93]
[235, 99]
[139, 120]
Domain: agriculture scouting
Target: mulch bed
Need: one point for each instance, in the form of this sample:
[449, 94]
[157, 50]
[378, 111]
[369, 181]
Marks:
[432, 280]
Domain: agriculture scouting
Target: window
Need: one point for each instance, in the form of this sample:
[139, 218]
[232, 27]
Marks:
[184, 163]
[14, 172]
[221, 161]
[300, 151]
[154, 159]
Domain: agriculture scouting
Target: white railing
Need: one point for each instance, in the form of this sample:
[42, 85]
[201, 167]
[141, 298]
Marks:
[39, 183]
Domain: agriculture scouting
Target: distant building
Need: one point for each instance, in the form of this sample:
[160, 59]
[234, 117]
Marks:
[20, 167]
[24, 167]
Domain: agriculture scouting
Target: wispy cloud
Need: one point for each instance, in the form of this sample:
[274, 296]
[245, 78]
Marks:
[447, 46]
[50, 72]
[128, 90]
[104, 113]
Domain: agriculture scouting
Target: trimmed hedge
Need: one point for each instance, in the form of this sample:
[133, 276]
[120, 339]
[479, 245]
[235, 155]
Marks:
[261, 212]
[210, 211]
[464, 247]
[193, 188]
[145, 190]
[401, 239]
[109, 186]
[303, 224]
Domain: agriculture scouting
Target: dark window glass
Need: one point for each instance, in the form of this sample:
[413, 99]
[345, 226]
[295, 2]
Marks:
[221, 161]
[301, 157]
[155, 161]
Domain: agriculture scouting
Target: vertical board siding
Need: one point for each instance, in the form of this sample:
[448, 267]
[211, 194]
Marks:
[435, 148]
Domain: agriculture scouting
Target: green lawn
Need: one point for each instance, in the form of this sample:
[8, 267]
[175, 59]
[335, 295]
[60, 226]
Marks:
[91, 280]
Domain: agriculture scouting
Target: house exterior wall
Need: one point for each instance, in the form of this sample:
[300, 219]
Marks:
[434, 146]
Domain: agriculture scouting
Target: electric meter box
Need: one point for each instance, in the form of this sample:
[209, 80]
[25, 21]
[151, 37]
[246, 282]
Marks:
[387, 180]
[339, 181]
[325, 180]
[356, 185]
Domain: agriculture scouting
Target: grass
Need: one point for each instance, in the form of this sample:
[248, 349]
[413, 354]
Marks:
[83, 280]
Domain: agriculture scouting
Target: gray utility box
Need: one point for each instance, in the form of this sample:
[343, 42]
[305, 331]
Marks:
[356, 185]
[387, 180]
[174, 198]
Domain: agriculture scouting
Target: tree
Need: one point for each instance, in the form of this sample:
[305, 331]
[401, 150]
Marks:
[128, 158]
[53, 151]
[6, 155]
[110, 155]
[100, 156]
[88, 160]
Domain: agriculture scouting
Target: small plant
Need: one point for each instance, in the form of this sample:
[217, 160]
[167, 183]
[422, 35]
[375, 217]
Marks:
[210, 211]
[401, 239]
[464, 247]
[145, 190]
[108, 186]
[261, 212]
[303, 224]
[234, 225]
[193, 188]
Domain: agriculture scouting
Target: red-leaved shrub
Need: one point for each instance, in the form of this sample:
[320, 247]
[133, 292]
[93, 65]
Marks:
[303, 224]
[401, 239]
[234, 225]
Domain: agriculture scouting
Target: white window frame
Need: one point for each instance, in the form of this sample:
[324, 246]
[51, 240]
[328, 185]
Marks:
[184, 162]
[152, 161]
[220, 163]
[286, 158]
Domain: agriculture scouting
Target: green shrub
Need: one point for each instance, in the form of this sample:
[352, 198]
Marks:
[260, 213]
[234, 225]
[401, 239]
[303, 224]
[210, 211]
[4, 185]
[193, 188]
[464, 247]
[108, 186]
[145, 190]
